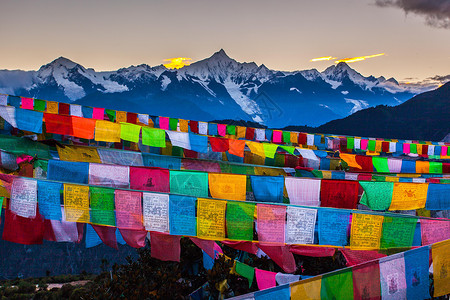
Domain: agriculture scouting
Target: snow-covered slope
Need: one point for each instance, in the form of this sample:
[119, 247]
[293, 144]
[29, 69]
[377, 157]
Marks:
[217, 87]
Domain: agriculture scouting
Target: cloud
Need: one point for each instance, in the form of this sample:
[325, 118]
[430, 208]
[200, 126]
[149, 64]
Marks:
[441, 78]
[436, 12]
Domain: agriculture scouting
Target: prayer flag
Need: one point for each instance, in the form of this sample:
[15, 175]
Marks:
[128, 209]
[98, 113]
[271, 223]
[76, 172]
[303, 191]
[377, 195]
[337, 285]
[398, 232]
[366, 231]
[165, 247]
[153, 137]
[182, 215]
[265, 279]
[130, 132]
[308, 289]
[240, 220]
[392, 277]
[83, 128]
[189, 183]
[339, 193]
[211, 219]
[24, 197]
[433, 231]
[417, 278]
[366, 281]
[107, 131]
[245, 271]
[49, 199]
[58, 124]
[268, 188]
[102, 206]
[408, 196]
[438, 197]
[29, 120]
[76, 203]
[149, 179]
[228, 186]
[78, 154]
[441, 267]
[300, 225]
[156, 212]
[333, 227]
[109, 175]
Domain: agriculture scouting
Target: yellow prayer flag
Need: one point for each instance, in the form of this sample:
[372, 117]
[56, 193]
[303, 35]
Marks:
[211, 219]
[76, 203]
[408, 195]
[326, 174]
[52, 107]
[240, 131]
[350, 159]
[441, 265]
[256, 148]
[392, 179]
[227, 186]
[294, 137]
[419, 149]
[308, 289]
[366, 232]
[121, 116]
[184, 125]
[78, 153]
[378, 145]
[106, 131]
[422, 166]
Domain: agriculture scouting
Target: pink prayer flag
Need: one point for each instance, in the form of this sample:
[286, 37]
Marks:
[242, 245]
[277, 136]
[164, 123]
[364, 144]
[28, 103]
[107, 234]
[434, 231]
[271, 223]
[312, 251]
[281, 256]
[165, 247]
[149, 179]
[356, 257]
[205, 245]
[406, 148]
[134, 238]
[128, 209]
[98, 113]
[222, 129]
[444, 151]
[265, 279]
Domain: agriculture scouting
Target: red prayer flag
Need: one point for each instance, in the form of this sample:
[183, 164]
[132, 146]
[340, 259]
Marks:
[219, 144]
[64, 108]
[242, 245]
[385, 147]
[190, 153]
[165, 247]
[58, 124]
[281, 256]
[365, 162]
[205, 245]
[132, 118]
[250, 134]
[302, 139]
[339, 193]
[107, 234]
[134, 238]
[150, 179]
[356, 257]
[366, 281]
[312, 251]
[26, 231]
[194, 126]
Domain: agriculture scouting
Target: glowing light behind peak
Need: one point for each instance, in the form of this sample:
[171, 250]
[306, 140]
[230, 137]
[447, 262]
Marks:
[358, 58]
[323, 58]
[177, 62]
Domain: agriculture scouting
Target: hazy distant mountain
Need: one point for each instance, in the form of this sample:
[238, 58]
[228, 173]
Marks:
[424, 117]
[215, 88]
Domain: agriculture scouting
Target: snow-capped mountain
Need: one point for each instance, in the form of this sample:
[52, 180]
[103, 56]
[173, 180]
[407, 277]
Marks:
[215, 88]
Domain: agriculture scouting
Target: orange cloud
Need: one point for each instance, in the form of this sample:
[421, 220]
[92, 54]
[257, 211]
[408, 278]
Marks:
[323, 58]
[177, 62]
[358, 58]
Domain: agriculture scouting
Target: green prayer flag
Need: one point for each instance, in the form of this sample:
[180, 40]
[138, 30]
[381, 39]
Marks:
[231, 129]
[39, 163]
[243, 170]
[240, 220]
[380, 164]
[372, 145]
[286, 137]
[350, 143]
[289, 149]
[435, 167]
[177, 151]
[245, 271]
[102, 206]
[130, 132]
[338, 285]
[20, 146]
[270, 150]
[269, 162]
[377, 195]
[39, 105]
[1, 204]
[189, 183]
[316, 173]
[398, 232]
[279, 160]
[378, 178]
[153, 137]
[111, 114]
[173, 124]
[413, 148]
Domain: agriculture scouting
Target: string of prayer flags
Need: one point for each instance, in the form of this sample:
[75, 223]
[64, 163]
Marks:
[156, 212]
[228, 186]
[302, 191]
[49, 199]
[149, 179]
[106, 131]
[102, 206]
[300, 225]
[211, 219]
[130, 132]
[338, 285]
[189, 183]
[408, 196]
[271, 223]
[366, 281]
[182, 215]
[308, 289]
[153, 137]
[78, 153]
[366, 231]
[265, 279]
[392, 277]
[333, 227]
[417, 273]
[239, 220]
[441, 267]
[128, 209]
[339, 193]
[29, 120]
[24, 197]
[76, 203]
[109, 175]
[377, 195]
[397, 232]
[268, 188]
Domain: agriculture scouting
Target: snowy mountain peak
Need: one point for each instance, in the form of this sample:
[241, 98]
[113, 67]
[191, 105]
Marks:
[62, 62]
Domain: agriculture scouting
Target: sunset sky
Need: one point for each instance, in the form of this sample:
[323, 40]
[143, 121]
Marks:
[284, 35]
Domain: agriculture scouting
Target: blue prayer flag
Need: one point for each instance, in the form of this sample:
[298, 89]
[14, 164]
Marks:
[75, 172]
[199, 143]
[29, 120]
[49, 200]
[92, 238]
[282, 292]
[333, 226]
[182, 215]
[268, 188]
[212, 129]
[161, 161]
[416, 273]
[408, 166]
[438, 197]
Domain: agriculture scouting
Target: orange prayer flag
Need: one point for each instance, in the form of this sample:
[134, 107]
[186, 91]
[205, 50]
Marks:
[422, 166]
[121, 116]
[350, 159]
[83, 127]
[236, 147]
